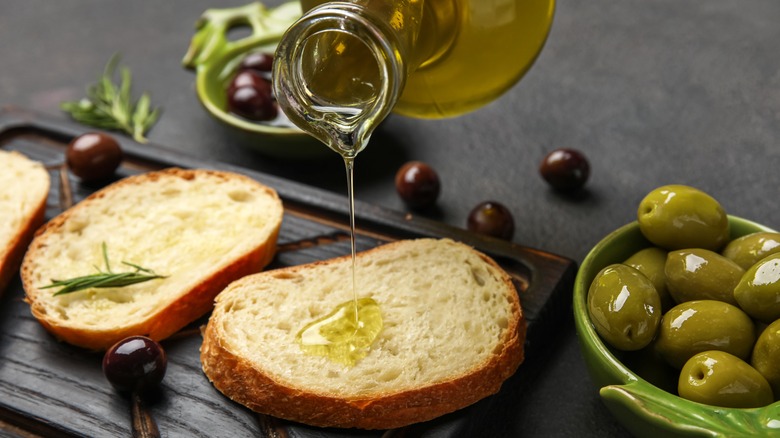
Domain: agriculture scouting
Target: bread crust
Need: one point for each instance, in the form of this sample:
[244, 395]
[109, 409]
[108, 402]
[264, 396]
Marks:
[240, 381]
[190, 304]
[17, 246]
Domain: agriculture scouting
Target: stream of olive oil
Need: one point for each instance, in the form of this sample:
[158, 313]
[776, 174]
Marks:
[345, 334]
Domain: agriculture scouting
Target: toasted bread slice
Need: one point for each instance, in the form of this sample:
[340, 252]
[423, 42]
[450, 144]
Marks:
[453, 332]
[24, 186]
[200, 229]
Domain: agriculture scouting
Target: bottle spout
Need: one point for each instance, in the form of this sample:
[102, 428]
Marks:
[338, 74]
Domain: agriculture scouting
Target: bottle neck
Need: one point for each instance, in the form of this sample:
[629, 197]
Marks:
[340, 70]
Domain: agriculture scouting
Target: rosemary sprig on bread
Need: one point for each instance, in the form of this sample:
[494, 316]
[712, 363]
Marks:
[104, 279]
[201, 228]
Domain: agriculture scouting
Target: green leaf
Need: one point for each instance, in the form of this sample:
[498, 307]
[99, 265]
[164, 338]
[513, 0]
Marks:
[110, 106]
[104, 279]
[140, 115]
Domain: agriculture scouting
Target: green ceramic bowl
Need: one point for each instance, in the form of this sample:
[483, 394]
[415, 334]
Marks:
[643, 408]
[215, 57]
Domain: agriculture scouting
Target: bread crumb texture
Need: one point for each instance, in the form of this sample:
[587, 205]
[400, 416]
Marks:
[24, 184]
[185, 225]
[24, 187]
[446, 313]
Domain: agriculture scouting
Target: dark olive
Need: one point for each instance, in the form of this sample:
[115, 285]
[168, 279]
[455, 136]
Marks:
[493, 219]
[257, 61]
[565, 169]
[254, 103]
[417, 184]
[248, 78]
[93, 156]
[135, 364]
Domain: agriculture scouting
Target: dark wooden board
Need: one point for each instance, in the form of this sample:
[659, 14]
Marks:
[53, 389]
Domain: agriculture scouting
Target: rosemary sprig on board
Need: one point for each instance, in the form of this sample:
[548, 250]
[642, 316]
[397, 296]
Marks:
[110, 106]
[104, 279]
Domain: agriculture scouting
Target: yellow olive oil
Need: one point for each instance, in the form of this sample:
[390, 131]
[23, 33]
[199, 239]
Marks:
[339, 66]
[341, 336]
[465, 53]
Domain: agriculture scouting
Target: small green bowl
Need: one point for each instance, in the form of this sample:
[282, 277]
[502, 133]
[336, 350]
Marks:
[215, 57]
[643, 408]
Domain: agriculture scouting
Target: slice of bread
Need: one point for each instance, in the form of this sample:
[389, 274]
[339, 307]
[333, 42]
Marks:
[24, 186]
[453, 332]
[201, 229]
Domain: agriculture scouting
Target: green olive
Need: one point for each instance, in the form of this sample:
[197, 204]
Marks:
[766, 356]
[678, 217]
[721, 379]
[701, 325]
[624, 307]
[651, 262]
[701, 274]
[758, 292]
[747, 250]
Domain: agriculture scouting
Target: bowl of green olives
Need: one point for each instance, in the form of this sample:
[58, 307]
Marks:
[233, 77]
[677, 319]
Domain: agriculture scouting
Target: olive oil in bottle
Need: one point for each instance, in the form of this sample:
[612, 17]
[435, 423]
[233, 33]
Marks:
[457, 55]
